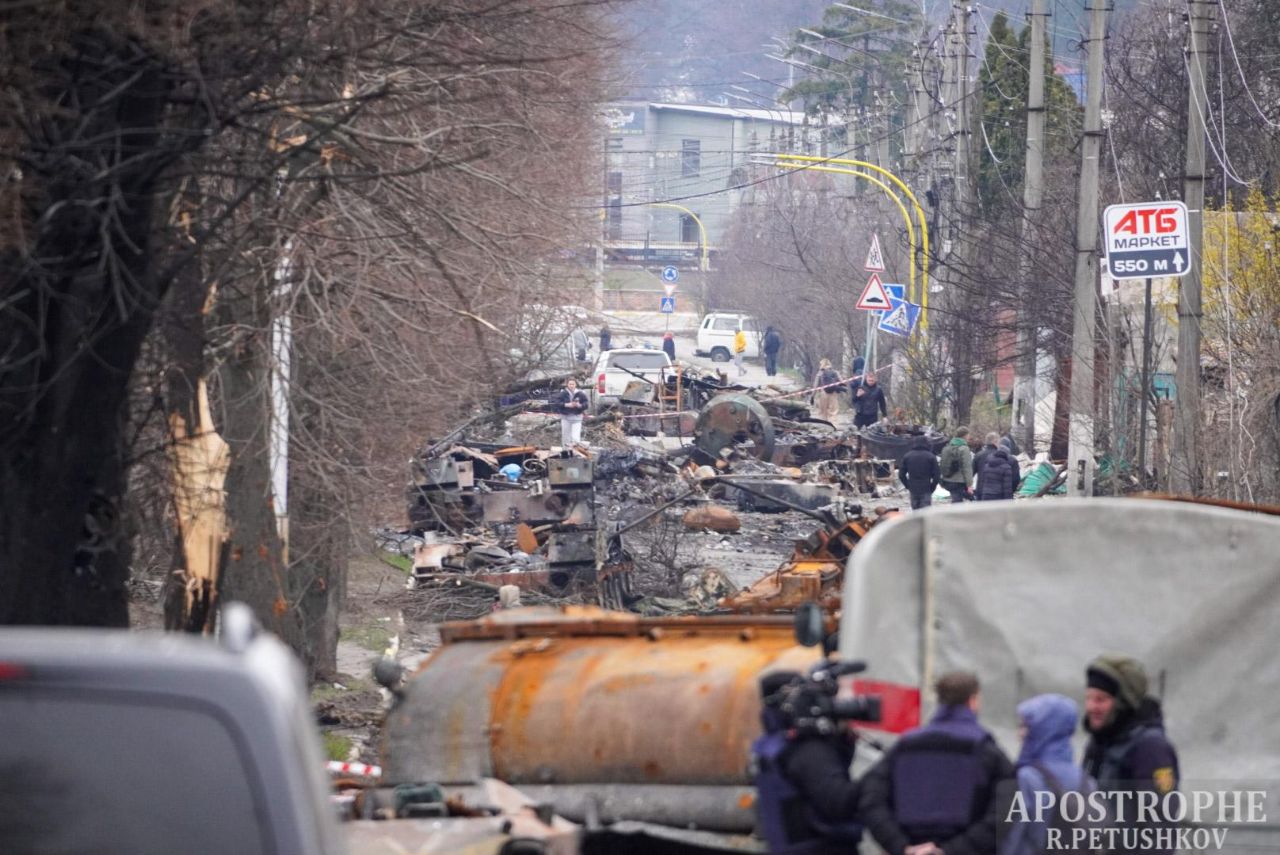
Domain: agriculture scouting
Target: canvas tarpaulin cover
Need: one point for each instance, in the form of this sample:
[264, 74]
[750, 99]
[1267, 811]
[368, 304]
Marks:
[1026, 593]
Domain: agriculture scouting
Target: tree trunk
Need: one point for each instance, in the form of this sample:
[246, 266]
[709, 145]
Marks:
[79, 307]
[255, 572]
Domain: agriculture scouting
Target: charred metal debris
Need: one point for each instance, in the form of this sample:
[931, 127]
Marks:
[697, 498]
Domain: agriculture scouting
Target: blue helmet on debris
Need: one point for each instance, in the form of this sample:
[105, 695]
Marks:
[511, 471]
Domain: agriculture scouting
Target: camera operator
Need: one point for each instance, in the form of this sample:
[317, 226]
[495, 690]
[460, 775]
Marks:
[934, 792]
[806, 799]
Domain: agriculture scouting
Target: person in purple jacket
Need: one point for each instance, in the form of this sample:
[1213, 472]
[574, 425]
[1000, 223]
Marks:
[1044, 766]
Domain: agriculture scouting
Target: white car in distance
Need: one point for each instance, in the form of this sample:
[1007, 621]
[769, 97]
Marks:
[615, 369]
[716, 333]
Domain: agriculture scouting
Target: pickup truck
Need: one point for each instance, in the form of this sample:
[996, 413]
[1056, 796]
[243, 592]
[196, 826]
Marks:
[616, 369]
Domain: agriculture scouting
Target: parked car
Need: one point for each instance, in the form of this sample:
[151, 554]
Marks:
[616, 368]
[122, 743]
[716, 332]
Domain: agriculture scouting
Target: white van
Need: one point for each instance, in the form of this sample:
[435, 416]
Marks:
[715, 335]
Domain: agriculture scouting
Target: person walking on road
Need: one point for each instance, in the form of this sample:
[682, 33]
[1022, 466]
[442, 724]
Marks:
[669, 346]
[869, 403]
[606, 338]
[739, 350]
[571, 402]
[934, 792]
[919, 473]
[771, 345]
[826, 391]
[998, 477]
[957, 466]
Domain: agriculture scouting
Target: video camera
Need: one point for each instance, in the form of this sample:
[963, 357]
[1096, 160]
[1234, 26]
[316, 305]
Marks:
[811, 707]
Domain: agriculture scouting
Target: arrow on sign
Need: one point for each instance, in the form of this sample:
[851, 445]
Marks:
[1178, 261]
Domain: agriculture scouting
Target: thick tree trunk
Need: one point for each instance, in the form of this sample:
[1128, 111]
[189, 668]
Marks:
[77, 307]
[255, 572]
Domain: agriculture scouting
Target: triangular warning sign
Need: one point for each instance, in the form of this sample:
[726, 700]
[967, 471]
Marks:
[898, 319]
[875, 258]
[874, 298]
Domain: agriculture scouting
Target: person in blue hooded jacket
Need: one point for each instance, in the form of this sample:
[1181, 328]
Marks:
[1044, 766]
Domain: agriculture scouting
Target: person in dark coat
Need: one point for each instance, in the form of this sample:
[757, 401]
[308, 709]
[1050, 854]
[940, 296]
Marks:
[1044, 766]
[990, 442]
[606, 338]
[771, 345]
[919, 473]
[868, 402]
[806, 800]
[859, 366]
[935, 790]
[997, 478]
[570, 402]
[669, 346]
[1128, 750]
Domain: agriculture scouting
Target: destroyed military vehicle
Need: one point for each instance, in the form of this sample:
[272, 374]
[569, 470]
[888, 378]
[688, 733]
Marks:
[640, 727]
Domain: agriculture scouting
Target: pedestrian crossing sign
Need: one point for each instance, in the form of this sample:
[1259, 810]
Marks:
[900, 319]
[667, 305]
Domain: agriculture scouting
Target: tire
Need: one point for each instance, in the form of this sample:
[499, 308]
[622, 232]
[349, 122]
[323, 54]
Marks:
[720, 354]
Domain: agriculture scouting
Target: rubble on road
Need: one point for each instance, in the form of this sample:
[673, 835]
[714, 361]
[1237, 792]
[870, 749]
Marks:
[694, 479]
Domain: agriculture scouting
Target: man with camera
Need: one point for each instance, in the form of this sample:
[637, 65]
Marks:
[934, 792]
[805, 797]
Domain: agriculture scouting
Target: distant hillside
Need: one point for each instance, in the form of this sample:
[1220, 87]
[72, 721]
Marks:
[696, 50]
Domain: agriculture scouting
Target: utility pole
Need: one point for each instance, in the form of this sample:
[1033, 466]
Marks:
[1080, 431]
[1184, 467]
[1026, 380]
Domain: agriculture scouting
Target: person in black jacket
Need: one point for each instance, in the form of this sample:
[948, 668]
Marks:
[998, 477]
[934, 792]
[1128, 750]
[771, 345]
[606, 338]
[990, 442]
[919, 473]
[570, 402]
[805, 798]
[868, 402]
[669, 346]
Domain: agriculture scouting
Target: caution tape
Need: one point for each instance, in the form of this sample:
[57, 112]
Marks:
[362, 770]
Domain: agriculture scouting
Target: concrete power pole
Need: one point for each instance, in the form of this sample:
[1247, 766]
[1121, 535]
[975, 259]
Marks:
[1080, 461]
[1184, 468]
[1024, 392]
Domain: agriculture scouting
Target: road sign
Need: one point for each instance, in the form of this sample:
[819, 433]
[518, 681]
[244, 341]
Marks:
[900, 319]
[667, 305]
[670, 274]
[1148, 239]
[875, 258]
[873, 296]
[669, 287]
[895, 291]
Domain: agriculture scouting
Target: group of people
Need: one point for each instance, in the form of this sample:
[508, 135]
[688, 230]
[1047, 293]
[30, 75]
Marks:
[992, 473]
[866, 396]
[947, 788]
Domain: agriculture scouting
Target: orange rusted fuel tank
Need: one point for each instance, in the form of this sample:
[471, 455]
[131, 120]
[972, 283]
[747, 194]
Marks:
[583, 696]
